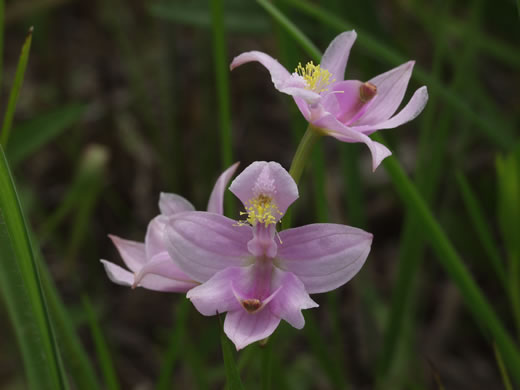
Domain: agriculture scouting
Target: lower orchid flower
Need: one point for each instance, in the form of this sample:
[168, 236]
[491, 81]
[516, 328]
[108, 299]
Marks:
[150, 264]
[252, 272]
[348, 110]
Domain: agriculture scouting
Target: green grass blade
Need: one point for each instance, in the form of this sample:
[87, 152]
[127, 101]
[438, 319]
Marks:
[15, 90]
[502, 368]
[75, 357]
[305, 42]
[102, 350]
[453, 264]
[31, 135]
[267, 365]
[174, 350]
[503, 138]
[22, 290]
[221, 65]
[481, 227]
[2, 24]
[232, 375]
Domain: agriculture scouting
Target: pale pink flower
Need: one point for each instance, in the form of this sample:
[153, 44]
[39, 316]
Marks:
[150, 264]
[249, 270]
[348, 110]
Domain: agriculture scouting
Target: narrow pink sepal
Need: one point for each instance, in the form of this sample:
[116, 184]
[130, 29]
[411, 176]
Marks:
[408, 113]
[118, 274]
[336, 55]
[132, 252]
[204, 243]
[160, 273]
[244, 328]
[170, 204]
[279, 74]
[216, 199]
[391, 87]
[323, 256]
[338, 130]
[154, 239]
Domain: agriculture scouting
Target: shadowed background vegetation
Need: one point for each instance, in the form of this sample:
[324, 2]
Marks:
[124, 99]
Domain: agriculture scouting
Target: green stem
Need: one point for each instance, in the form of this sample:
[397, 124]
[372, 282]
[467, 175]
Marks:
[267, 366]
[301, 156]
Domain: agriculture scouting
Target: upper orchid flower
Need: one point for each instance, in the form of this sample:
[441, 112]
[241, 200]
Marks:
[249, 270]
[149, 262]
[348, 110]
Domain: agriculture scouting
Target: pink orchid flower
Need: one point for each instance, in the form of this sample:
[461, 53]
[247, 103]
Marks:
[150, 264]
[249, 270]
[348, 110]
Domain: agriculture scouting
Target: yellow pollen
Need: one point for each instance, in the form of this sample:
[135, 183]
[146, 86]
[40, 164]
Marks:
[261, 209]
[316, 78]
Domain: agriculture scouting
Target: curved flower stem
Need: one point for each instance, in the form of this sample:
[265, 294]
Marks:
[301, 156]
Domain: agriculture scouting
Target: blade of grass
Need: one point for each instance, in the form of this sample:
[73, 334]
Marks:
[102, 350]
[75, 358]
[35, 133]
[503, 139]
[502, 368]
[305, 42]
[453, 264]
[446, 253]
[174, 347]
[267, 363]
[15, 90]
[478, 220]
[23, 293]
[222, 77]
[233, 377]
[2, 26]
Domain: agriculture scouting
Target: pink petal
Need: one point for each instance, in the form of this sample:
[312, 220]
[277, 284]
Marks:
[162, 274]
[268, 178]
[391, 87]
[154, 239]
[204, 243]
[338, 130]
[244, 328]
[170, 204]
[279, 74]
[303, 107]
[283, 80]
[132, 252]
[291, 298]
[408, 113]
[216, 199]
[216, 294]
[336, 56]
[117, 274]
[323, 256]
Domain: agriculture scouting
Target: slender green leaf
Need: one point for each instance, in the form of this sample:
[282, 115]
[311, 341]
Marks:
[31, 135]
[502, 368]
[22, 291]
[238, 17]
[502, 138]
[15, 90]
[222, 77]
[102, 350]
[76, 360]
[479, 223]
[306, 43]
[233, 377]
[267, 365]
[174, 350]
[2, 24]
[453, 264]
